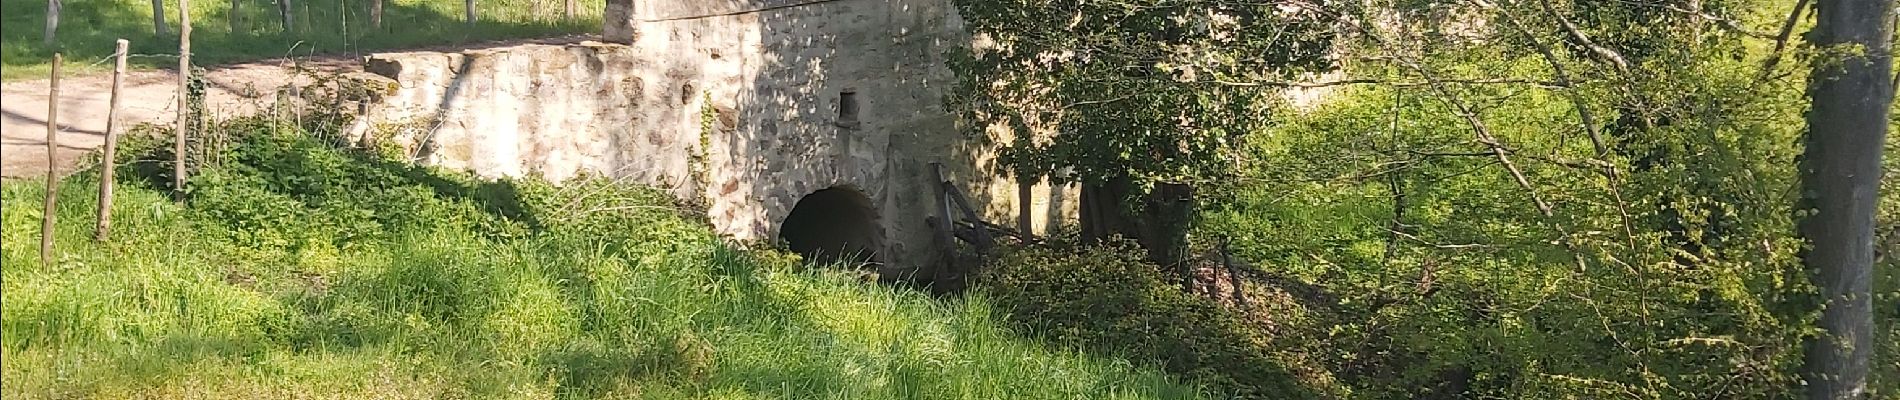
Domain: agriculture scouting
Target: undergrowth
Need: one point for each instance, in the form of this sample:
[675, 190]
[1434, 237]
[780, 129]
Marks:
[1108, 298]
[299, 268]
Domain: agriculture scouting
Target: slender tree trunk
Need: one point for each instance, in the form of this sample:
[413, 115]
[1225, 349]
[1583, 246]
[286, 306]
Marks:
[1166, 215]
[1103, 214]
[236, 16]
[285, 13]
[468, 6]
[108, 166]
[1023, 213]
[52, 21]
[1159, 224]
[1840, 175]
[376, 14]
[158, 18]
[184, 100]
[52, 173]
[572, 7]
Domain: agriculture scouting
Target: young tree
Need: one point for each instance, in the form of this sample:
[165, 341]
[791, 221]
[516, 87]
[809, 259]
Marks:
[52, 20]
[376, 14]
[284, 11]
[236, 20]
[158, 18]
[1840, 178]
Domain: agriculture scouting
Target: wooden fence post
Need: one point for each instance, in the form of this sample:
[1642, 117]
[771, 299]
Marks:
[184, 101]
[52, 167]
[106, 170]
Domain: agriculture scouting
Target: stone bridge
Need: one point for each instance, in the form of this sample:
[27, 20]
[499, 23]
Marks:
[815, 122]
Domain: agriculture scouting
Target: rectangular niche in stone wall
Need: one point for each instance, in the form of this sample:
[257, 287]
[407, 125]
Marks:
[848, 109]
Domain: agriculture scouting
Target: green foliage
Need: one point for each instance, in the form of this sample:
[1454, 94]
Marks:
[1108, 90]
[321, 27]
[1109, 299]
[1675, 277]
[1885, 378]
[302, 269]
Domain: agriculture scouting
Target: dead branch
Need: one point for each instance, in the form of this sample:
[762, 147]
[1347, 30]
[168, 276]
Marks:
[1781, 39]
[1557, 70]
[1607, 54]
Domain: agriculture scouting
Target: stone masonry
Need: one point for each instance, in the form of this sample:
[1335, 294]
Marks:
[735, 102]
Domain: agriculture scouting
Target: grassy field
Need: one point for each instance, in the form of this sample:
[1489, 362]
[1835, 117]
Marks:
[300, 270]
[87, 29]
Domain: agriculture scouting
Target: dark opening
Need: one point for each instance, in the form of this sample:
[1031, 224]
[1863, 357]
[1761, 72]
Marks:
[848, 108]
[835, 225]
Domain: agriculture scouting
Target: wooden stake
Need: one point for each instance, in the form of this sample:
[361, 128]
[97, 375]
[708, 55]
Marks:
[107, 169]
[184, 101]
[52, 167]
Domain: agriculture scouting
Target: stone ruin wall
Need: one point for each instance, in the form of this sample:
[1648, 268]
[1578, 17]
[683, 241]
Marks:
[772, 73]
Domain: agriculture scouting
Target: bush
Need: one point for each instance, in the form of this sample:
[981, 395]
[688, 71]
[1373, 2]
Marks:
[1107, 299]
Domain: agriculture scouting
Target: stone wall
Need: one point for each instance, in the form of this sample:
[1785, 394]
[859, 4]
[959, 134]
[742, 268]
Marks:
[737, 102]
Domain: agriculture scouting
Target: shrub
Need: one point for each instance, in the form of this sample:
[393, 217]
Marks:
[1108, 299]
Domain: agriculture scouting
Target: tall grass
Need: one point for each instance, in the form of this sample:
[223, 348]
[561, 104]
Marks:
[319, 27]
[302, 270]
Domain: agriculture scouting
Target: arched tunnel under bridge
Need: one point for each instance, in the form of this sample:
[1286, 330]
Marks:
[833, 225]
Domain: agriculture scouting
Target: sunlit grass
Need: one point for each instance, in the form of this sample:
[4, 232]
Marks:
[171, 308]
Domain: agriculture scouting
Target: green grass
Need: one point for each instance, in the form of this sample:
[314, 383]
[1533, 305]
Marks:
[87, 30]
[305, 271]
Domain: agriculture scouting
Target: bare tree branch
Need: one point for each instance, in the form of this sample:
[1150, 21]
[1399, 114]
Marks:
[1607, 54]
[1781, 40]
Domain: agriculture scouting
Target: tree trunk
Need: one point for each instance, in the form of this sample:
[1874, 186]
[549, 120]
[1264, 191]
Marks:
[1023, 213]
[1168, 212]
[1840, 175]
[1103, 213]
[572, 7]
[284, 11]
[376, 14]
[468, 6]
[52, 21]
[236, 19]
[158, 18]
[1159, 225]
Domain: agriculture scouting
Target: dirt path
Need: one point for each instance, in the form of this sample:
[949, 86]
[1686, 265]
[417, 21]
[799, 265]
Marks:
[149, 97]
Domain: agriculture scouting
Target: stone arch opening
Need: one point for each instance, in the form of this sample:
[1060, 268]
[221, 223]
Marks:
[833, 225]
